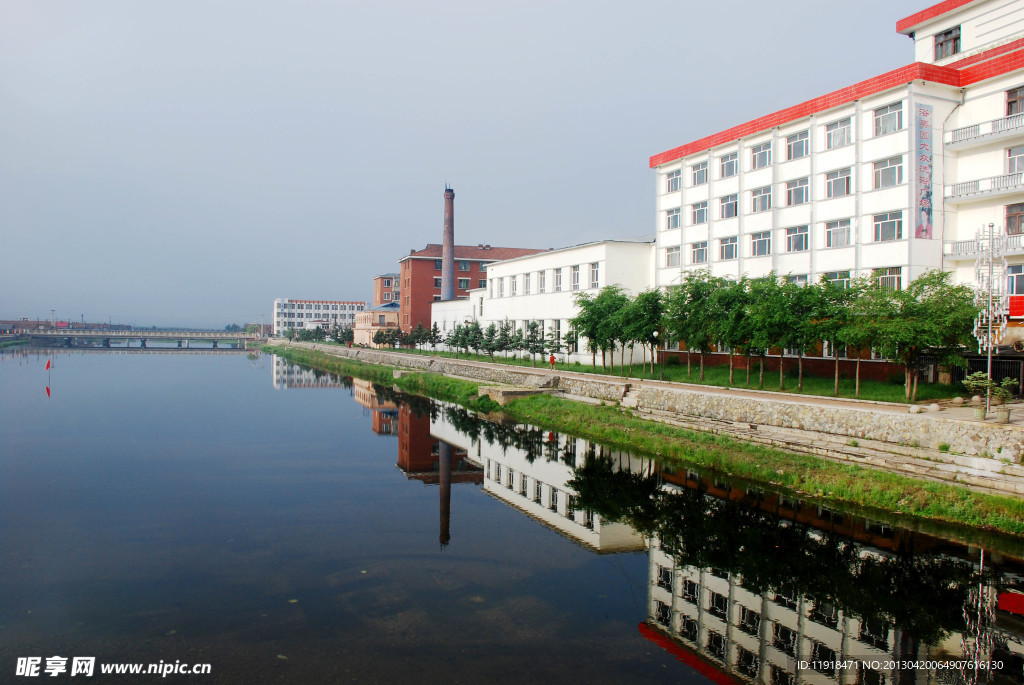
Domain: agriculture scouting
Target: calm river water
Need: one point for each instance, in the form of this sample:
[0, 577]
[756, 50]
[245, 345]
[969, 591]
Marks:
[286, 526]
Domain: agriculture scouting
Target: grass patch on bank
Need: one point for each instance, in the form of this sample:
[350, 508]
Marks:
[13, 343]
[820, 478]
[805, 474]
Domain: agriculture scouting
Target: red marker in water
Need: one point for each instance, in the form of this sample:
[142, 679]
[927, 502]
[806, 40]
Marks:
[47, 364]
[47, 391]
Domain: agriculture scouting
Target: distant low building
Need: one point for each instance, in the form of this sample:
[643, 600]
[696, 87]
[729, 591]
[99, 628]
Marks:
[302, 314]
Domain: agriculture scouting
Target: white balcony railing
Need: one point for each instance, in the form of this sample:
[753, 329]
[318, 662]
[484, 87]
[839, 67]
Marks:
[971, 248]
[1012, 123]
[983, 186]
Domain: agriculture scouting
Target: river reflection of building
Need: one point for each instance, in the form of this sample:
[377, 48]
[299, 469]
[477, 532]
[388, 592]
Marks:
[289, 375]
[383, 412]
[709, 619]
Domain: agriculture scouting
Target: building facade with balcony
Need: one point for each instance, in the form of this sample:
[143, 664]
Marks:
[300, 314]
[369, 321]
[888, 178]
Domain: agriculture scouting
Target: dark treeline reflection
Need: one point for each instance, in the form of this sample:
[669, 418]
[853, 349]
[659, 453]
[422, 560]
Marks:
[924, 594]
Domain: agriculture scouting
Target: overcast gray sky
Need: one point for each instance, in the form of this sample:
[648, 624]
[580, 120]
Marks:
[184, 163]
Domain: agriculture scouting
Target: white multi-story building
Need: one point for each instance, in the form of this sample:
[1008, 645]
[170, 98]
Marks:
[299, 314]
[888, 178]
[542, 287]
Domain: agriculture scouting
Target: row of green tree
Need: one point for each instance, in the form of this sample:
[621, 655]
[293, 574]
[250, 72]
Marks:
[756, 317]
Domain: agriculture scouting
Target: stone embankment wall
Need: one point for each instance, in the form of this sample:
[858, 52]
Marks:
[970, 438]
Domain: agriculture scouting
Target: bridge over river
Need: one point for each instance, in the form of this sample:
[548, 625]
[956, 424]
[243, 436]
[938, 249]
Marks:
[183, 338]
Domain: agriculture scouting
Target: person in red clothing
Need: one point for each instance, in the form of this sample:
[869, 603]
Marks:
[551, 360]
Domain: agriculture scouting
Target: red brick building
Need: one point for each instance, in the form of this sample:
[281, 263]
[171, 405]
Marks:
[386, 289]
[420, 282]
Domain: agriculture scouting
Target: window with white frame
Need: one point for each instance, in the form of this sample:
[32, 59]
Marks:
[672, 181]
[463, 265]
[437, 282]
[699, 173]
[838, 133]
[482, 283]
[1015, 160]
[727, 248]
[798, 145]
[889, 277]
[796, 239]
[1015, 279]
[1015, 219]
[672, 219]
[728, 207]
[947, 43]
[699, 253]
[837, 233]
[542, 281]
[464, 283]
[838, 183]
[760, 244]
[729, 165]
[672, 256]
[558, 280]
[840, 278]
[595, 273]
[526, 284]
[699, 212]
[761, 199]
[799, 280]
[797, 191]
[387, 296]
[761, 155]
[889, 172]
[888, 119]
[576, 278]
[501, 287]
[513, 285]
[888, 226]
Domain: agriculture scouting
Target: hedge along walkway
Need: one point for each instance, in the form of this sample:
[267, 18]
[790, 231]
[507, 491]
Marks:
[827, 481]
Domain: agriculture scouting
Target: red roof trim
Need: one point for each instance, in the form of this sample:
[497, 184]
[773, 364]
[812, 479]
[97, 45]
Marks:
[968, 71]
[708, 670]
[886, 81]
[904, 25]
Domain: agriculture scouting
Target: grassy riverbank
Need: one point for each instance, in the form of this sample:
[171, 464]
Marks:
[13, 343]
[805, 474]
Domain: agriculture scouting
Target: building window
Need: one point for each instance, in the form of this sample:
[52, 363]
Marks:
[837, 233]
[437, 265]
[558, 280]
[729, 164]
[464, 284]
[1014, 101]
[513, 286]
[672, 181]
[1015, 160]
[797, 192]
[672, 256]
[947, 43]
[888, 119]
[719, 605]
[595, 275]
[387, 296]
[526, 284]
[838, 183]
[760, 244]
[797, 145]
[800, 281]
[482, 283]
[727, 248]
[672, 219]
[387, 283]
[890, 277]
[888, 227]
[841, 278]
[437, 282]
[699, 212]
[761, 155]
[889, 172]
[542, 281]
[501, 287]
[1015, 219]
[796, 239]
[728, 207]
[699, 173]
[761, 199]
[699, 253]
[463, 266]
[575, 278]
[1015, 279]
[838, 133]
